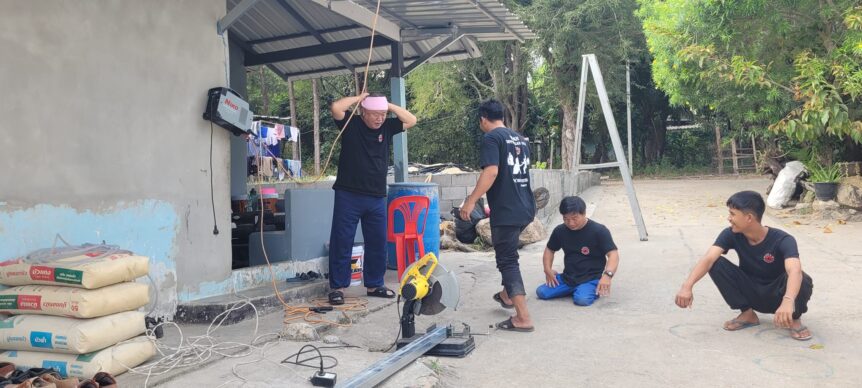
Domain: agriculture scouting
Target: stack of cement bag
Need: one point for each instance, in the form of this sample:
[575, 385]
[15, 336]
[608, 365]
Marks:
[74, 312]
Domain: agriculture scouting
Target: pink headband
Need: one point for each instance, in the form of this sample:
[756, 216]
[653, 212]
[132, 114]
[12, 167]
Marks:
[375, 103]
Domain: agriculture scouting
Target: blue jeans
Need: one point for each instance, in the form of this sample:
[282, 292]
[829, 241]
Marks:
[583, 294]
[347, 212]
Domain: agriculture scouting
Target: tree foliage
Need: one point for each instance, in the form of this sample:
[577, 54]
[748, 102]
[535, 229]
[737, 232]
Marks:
[790, 65]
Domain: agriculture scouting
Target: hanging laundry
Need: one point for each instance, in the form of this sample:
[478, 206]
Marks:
[255, 128]
[274, 150]
[279, 131]
[294, 134]
[266, 166]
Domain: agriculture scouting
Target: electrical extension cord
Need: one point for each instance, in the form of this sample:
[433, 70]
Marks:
[323, 379]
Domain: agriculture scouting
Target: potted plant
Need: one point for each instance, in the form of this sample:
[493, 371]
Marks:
[825, 179]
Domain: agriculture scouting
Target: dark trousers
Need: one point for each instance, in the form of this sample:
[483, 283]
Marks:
[505, 240]
[349, 210]
[742, 292]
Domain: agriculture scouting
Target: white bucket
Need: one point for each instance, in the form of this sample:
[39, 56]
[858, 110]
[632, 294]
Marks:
[356, 259]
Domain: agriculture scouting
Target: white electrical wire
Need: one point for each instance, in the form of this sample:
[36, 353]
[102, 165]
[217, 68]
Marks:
[197, 350]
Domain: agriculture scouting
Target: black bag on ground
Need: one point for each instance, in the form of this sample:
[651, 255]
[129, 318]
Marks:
[465, 231]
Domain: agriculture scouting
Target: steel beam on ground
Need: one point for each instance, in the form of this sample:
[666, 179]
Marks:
[381, 370]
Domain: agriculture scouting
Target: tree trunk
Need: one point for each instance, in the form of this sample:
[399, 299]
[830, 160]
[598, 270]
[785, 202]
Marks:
[356, 82]
[296, 155]
[567, 142]
[264, 92]
[316, 100]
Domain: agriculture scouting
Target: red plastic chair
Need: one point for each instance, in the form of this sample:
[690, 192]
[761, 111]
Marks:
[404, 241]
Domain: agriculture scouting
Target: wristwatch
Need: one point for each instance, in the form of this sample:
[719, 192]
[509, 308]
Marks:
[609, 273]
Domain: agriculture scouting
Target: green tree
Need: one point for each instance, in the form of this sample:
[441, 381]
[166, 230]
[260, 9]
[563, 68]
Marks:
[791, 66]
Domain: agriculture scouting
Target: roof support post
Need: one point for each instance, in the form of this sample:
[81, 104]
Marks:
[398, 97]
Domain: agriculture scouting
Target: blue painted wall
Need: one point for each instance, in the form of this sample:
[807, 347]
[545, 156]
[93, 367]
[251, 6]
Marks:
[148, 228]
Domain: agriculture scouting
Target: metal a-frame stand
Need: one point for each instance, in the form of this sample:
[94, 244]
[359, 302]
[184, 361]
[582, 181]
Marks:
[590, 63]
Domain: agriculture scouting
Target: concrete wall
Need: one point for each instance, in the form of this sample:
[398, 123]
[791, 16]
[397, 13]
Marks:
[454, 188]
[103, 137]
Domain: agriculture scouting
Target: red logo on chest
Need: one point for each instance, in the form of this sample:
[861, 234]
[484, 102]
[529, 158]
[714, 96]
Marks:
[768, 258]
[585, 251]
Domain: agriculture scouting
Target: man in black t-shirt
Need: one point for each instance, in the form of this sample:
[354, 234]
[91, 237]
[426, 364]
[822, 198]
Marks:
[360, 190]
[769, 278]
[505, 161]
[591, 257]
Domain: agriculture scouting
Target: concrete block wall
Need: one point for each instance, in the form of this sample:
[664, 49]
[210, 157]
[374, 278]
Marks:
[454, 188]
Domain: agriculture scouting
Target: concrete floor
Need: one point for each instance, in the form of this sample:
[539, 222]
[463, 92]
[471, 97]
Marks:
[634, 337]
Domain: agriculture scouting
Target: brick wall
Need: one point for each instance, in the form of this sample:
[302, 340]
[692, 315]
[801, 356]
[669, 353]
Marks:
[453, 188]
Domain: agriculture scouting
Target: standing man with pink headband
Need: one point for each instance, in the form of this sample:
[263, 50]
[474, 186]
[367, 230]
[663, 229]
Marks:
[360, 190]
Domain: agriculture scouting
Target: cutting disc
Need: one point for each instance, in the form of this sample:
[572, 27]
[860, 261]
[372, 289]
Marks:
[444, 291]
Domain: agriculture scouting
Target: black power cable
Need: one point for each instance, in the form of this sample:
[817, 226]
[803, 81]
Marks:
[212, 188]
[304, 362]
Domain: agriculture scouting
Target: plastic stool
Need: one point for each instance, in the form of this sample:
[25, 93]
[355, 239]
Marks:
[404, 241]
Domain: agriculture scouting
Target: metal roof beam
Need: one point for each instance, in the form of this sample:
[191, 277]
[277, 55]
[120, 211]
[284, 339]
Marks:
[373, 64]
[313, 31]
[500, 22]
[224, 23]
[434, 51]
[362, 16]
[421, 33]
[315, 51]
[302, 34]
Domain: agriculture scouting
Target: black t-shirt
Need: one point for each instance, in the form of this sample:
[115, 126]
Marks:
[510, 197]
[763, 262]
[364, 157]
[585, 251]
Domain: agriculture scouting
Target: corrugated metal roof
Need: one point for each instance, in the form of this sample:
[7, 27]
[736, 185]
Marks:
[270, 26]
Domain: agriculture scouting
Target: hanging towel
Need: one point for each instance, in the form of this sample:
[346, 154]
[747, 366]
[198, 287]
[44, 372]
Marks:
[294, 134]
[279, 131]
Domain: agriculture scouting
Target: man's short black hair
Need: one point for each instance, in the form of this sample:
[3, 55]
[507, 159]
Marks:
[491, 110]
[748, 202]
[573, 204]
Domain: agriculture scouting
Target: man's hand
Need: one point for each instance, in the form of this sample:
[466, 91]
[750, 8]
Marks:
[684, 297]
[604, 287]
[466, 209]
[361, 97]
[784, 314]
[551, 278]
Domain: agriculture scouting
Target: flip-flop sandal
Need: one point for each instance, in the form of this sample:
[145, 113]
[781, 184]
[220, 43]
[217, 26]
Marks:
[336, 298]
[382, 292]
[105, 380]
[799, 330]
[741, 324]
[508, 325]
[499, 299]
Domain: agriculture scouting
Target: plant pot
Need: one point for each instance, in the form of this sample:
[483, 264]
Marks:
[825, 191]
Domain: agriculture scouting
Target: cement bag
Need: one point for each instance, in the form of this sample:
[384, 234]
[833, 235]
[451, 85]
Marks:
[74, 302]
[69, 335]
[114, 360]
[785, 185]
[77, 271]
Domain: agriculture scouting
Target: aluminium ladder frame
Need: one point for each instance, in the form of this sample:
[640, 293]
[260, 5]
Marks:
[590, 63]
